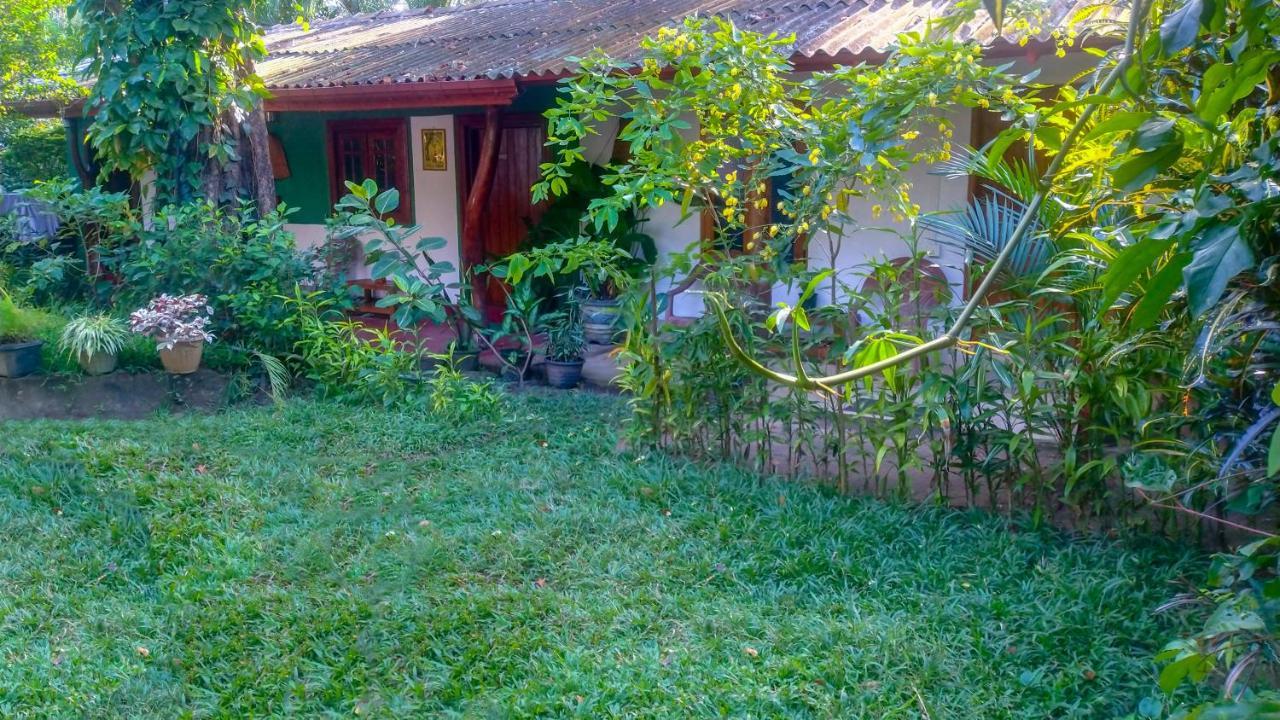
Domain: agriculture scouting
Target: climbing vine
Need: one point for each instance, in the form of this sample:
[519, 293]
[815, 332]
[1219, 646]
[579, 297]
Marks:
[171, 81]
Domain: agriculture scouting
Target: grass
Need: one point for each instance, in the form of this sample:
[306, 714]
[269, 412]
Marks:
[324, 560]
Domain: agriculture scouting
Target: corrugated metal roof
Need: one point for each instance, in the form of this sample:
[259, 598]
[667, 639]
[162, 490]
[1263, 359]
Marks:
[530, 38]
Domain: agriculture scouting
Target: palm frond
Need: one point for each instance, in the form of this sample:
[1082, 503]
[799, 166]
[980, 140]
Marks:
[278, 377]
[1016, 177]
[984, 227]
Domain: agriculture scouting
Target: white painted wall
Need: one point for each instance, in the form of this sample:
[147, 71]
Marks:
[868, 238]
[435, 192]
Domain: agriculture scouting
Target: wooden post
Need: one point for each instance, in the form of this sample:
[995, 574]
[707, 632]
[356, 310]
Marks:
[478, 196]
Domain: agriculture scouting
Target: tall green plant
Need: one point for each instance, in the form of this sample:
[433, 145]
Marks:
[171, 84]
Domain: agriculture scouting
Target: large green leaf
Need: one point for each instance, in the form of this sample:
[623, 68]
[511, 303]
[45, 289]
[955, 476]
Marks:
[430, 244]
[1132, 263]
[1220, 255]
[1120, 122]
[1156, 294]
[1225, 84]
[1142, 168]
[1179, 28]
[387, 201]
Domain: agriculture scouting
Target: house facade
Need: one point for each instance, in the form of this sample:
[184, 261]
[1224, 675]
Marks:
[446, 104]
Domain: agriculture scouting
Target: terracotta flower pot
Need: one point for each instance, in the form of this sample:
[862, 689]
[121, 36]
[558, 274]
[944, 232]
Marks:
[183, 358]
[97, 363]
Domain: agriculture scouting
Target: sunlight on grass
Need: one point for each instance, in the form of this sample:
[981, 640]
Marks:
[335, 560]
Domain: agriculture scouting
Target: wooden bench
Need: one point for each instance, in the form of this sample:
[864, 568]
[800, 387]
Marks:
[372, 291]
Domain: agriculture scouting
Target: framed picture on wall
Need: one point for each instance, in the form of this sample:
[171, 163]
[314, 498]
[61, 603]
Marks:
[433, 149]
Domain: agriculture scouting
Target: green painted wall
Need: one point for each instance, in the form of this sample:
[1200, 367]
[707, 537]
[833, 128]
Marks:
[307, 187]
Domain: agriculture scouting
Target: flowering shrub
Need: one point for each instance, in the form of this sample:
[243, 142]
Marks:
[172, 319]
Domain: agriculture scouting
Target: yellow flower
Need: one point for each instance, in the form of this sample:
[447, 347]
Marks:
[773, 231]
[910, 135]
[876, 210]
[806, 190]
[732, 177]
[730, 201]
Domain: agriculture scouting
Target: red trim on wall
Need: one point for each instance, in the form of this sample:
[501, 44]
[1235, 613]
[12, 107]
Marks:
[383, 96]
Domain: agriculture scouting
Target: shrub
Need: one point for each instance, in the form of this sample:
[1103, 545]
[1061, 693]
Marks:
[245, 265]
[91, 224]
[32, 151]
[23, 324]
[343, 358]
[453, 395]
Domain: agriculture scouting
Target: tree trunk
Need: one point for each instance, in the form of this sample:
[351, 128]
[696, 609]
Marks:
[263, 186]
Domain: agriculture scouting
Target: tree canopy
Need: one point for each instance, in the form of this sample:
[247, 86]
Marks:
[35, 50]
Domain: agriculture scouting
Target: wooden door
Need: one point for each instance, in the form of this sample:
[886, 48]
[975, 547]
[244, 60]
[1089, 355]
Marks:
[510, 210]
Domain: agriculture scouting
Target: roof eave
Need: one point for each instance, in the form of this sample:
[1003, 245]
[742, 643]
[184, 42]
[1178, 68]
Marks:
[387, 96]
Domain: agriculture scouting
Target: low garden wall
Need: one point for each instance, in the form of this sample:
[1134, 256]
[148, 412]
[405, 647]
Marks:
[120, 395]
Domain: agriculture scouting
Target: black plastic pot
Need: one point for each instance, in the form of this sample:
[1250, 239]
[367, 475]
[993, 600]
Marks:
[20, 358]
[563, 374]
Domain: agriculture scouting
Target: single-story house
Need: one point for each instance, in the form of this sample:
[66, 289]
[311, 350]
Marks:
[406, 97]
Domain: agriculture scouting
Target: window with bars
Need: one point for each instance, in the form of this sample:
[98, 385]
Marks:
[374, 149]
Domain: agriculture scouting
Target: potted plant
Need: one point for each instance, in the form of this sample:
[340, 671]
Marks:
[599, 265]
[20, 343]
[603, 257]
[95, 342]
[179, 325]
[565, 345]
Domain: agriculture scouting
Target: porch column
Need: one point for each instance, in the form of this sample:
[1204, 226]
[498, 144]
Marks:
[481, 184]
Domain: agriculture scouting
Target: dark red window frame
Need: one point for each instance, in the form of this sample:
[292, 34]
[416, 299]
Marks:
[377, 149]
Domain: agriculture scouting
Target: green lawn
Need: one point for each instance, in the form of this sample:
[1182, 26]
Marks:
[324, 560]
